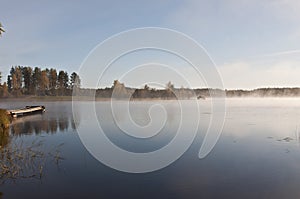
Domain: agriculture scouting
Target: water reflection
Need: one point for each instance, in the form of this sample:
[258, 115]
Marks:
[247, 162]
[24, 151]
[57, 118]
[42, 123]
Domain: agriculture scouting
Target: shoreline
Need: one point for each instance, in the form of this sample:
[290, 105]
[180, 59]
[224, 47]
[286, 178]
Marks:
[86, 98]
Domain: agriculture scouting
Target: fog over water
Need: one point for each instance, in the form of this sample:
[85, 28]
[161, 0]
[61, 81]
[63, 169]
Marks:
[257, 155]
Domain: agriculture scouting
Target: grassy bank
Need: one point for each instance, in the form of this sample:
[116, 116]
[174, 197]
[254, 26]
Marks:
[4, 120]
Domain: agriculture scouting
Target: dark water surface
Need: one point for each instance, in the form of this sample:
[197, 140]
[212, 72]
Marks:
[257, 155]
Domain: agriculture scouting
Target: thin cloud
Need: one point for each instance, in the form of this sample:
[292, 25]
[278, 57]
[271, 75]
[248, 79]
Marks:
[288, 52]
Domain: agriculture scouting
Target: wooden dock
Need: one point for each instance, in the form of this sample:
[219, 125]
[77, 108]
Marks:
[28, 110]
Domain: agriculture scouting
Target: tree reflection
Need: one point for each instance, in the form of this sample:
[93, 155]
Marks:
[63, 123]
[25, 158]
[38, 124]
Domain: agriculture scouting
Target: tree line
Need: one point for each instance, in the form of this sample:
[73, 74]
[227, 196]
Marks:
[119, 91]
[25, 80]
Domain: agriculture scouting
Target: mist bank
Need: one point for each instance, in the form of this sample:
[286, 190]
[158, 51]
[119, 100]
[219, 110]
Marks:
[186, 93]
[159, 94]
[264, 92]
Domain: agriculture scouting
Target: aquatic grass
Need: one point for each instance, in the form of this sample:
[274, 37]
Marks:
[25, 161]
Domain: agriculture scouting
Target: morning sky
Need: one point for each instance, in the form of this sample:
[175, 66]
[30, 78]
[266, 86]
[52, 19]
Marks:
[254, 43]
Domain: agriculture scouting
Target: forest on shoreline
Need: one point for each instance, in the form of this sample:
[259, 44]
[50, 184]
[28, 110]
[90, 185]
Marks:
[25, 81]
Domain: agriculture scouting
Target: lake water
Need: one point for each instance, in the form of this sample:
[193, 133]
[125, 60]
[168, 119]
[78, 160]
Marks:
[256, 156]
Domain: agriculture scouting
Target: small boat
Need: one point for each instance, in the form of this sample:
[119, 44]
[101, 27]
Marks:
[28, 110]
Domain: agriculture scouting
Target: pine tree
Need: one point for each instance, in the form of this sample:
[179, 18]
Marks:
[36, 80]
[62, 82]
[52, 81]
[74, 81]
[44, 84]
[27, 77]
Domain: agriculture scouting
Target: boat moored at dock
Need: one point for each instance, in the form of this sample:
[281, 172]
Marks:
[28, 110]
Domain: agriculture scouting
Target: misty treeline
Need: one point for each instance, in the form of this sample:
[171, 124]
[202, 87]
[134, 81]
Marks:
[25, 80]
[119, 90]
